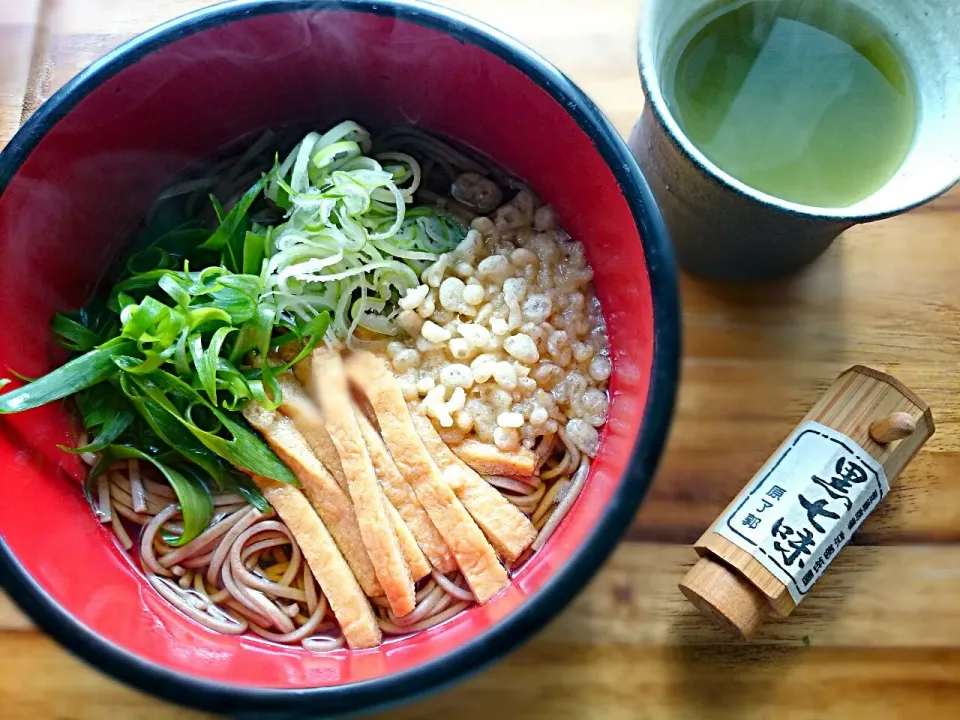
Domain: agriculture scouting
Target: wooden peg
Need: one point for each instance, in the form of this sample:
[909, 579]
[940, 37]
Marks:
[895, 426]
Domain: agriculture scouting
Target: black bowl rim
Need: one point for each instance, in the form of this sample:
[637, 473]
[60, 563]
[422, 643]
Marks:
[559, 590]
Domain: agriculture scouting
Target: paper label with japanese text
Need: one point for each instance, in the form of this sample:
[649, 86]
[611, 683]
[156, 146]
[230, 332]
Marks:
[804, 505]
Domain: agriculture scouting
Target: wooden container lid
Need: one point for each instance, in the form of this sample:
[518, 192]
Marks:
[726, 596]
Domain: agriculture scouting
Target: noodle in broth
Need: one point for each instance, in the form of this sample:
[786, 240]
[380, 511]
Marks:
[246, 572]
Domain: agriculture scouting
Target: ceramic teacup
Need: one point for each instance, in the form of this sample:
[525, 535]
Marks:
[726, 230]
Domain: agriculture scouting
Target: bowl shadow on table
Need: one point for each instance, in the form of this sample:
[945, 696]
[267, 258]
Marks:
[727, 676]
[717, 673]
[727, 681]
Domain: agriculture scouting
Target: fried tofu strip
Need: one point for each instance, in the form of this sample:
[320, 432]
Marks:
[335, 577]
[303, 372]
[401, 495]
[376, 529]
[508, 529]
[490, 460]
[412, 554]
[309, 421]
[475, 556]
[306, 415]
[330, 502]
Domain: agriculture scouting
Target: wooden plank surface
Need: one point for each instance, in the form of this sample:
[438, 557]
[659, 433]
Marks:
[883, 626]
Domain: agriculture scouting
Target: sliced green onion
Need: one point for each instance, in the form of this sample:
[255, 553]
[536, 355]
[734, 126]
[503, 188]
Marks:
[78, 374]
[74, 336]
[231, 223]
[113, 428]
[348, 219]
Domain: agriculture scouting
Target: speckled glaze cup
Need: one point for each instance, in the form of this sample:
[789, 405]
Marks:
[725, 230]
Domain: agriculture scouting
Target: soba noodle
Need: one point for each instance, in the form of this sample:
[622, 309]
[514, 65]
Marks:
[246, 572]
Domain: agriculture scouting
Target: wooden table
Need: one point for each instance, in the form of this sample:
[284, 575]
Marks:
[880, 636]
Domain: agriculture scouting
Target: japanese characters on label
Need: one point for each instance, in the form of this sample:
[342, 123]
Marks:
[804, 505]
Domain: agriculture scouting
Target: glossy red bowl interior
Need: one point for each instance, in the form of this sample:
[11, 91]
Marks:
[76, 181]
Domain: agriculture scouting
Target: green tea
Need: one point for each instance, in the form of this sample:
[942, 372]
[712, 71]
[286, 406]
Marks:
[806, 100]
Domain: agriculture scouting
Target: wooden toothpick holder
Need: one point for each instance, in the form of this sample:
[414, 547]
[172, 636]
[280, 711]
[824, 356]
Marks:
[874, 410]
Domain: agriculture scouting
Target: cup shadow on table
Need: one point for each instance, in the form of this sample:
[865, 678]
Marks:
[756, 356]
[819, 286]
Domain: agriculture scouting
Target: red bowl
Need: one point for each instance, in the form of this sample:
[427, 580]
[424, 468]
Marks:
[78, 177]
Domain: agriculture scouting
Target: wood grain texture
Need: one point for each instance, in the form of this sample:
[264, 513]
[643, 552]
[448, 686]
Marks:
[572, 681]
[731, 683]
[756, 359]
[39, 680]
